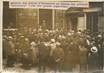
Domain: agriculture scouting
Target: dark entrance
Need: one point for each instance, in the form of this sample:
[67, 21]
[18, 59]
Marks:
[92, 21]
[45, 18]
[72, 15]
[71, 23]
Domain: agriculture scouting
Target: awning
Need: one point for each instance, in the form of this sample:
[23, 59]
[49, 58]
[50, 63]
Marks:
[80, 11]
[74, 11]
[97, 9]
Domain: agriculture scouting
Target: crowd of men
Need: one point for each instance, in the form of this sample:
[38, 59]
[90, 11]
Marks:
[62, 51]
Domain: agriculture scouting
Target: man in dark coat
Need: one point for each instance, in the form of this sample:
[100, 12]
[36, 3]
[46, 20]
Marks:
[43, 55]
[10, 50]
[26, 54]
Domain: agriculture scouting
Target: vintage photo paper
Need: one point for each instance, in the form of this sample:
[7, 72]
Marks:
[52, 37]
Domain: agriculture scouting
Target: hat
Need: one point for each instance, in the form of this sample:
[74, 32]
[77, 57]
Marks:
[32, 43]
[99, 35]
[58, 43]
[10, 37]
[26, 39]
[46, 44]
[52, 40]
[94, 49]
[69, 34]
[22, 36]
[60, 36]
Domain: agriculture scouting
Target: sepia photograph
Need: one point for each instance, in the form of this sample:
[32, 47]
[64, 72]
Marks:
[42, 40]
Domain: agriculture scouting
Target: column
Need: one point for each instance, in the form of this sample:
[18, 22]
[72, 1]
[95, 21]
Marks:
[85, 21]
[53, 19]
[38, 16]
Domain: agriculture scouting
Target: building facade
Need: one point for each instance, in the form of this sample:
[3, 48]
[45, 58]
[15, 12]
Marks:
[91, 18]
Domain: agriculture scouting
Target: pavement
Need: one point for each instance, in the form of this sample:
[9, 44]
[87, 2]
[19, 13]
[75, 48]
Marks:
[17, 69]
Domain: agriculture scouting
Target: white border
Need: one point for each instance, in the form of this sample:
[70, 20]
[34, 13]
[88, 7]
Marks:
[59, 0]
[1, 16]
